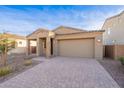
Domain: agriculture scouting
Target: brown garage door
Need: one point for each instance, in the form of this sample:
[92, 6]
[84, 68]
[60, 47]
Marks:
[77, 48]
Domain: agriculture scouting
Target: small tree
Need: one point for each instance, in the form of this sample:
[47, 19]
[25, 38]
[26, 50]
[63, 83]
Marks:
[4, 48]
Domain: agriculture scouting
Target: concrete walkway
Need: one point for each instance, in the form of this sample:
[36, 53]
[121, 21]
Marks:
[63, 72]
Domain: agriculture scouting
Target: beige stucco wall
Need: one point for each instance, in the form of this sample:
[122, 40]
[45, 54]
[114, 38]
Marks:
[99, 47]
[20, 46]
[18, 50]
[33, 43]
[116, 26]
[79, 35]
[20, 42]
[39, 49]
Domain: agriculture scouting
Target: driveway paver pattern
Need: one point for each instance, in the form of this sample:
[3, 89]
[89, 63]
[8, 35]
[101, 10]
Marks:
[63, 72]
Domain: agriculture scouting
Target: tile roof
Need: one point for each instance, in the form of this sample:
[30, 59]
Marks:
[37, 31]
[14, 36]
[77, 29]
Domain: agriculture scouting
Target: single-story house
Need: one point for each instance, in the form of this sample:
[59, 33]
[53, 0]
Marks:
[113, 38]
[20, 42]
[66, 42]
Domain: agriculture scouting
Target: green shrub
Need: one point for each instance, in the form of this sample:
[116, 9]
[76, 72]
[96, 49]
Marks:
[5, 70]
[121, 59]
[28, 62]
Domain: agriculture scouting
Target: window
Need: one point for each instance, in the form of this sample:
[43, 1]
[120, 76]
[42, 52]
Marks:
[113, 41]
[109, 31]
[20, 42]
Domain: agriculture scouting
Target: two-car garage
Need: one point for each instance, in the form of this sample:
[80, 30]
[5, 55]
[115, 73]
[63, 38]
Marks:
[76, 48]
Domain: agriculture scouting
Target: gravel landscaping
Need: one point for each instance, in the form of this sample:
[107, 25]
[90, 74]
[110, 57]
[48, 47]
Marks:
[115, 69]
[19, 64]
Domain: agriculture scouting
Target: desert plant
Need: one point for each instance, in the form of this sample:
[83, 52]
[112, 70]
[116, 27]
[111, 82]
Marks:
[28, 62]
[121, 59]
[4, 48]
[5, 70]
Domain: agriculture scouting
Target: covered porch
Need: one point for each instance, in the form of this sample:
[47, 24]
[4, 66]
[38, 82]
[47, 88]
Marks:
[40, 43]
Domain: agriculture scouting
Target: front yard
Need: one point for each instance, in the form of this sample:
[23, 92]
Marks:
[63, 72]
[115, 69]
[16, 64]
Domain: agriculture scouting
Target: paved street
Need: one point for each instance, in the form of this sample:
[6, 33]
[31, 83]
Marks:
[63, 72]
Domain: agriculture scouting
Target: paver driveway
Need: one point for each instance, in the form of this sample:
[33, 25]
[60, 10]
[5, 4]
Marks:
[63, 72]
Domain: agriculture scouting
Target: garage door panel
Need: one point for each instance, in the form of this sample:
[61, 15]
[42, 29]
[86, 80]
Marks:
[77, 48]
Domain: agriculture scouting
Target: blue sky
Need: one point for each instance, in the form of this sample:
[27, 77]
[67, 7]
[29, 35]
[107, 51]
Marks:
[26, 19]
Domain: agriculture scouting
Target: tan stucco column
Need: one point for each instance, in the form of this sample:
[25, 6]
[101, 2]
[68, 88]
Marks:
[48, 47]
[98, 47]
[55, 48]
[28, 47]
[39, 47]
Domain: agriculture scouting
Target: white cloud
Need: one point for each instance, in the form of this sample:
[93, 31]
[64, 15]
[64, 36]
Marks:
[26, 21]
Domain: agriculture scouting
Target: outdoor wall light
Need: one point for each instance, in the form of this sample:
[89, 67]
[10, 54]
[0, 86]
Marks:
[114, 41]
[99, 40]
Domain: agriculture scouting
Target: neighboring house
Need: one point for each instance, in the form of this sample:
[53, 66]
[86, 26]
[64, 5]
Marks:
[67, 42]
[20, 42]
[113, 38]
